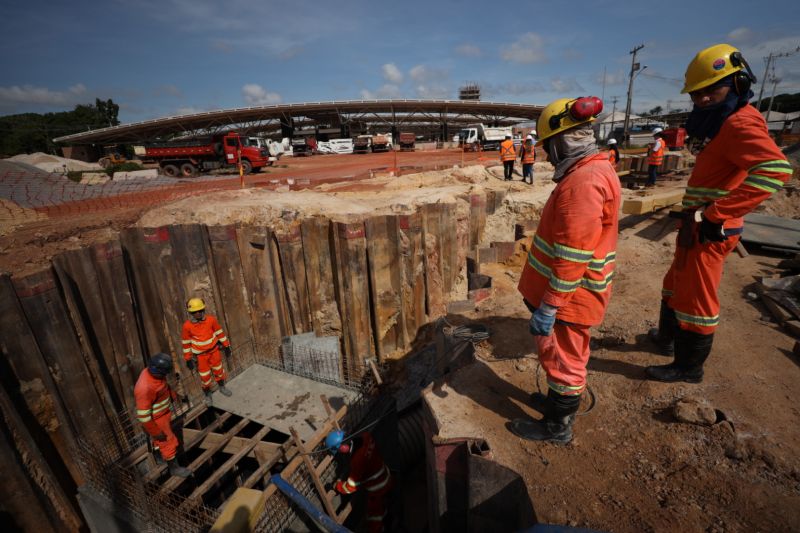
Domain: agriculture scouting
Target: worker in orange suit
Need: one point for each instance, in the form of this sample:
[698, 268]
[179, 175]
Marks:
[202, 338]
[655, 156]
[613, 153]
[527, 157]
[367, 471]
[153, 410]
[738, 167]
[566, 281]
[508, 155]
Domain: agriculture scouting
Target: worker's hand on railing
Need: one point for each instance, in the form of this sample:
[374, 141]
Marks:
[190, 363]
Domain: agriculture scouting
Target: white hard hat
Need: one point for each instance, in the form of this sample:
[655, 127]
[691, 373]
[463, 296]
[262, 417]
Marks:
[657, 130]
[529, 137]
[533, 132]
[612, 141]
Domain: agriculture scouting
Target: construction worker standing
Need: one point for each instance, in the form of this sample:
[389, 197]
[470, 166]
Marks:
[202, 337]
[153, 401]
[739, 166]
[613, 153]
[655, 156]
[526, 155]
[508, 155]
[566, 281]
[367, 471]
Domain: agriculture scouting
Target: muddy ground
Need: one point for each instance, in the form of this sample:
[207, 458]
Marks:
[632, 466]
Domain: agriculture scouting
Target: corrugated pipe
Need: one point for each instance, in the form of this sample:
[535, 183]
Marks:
[410, 439]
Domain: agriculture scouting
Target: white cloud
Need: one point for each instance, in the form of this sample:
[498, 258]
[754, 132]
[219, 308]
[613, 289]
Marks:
[512, 89]
[468, 50]
[255, 95]
[565, 85]
[433, 92]
[529, 48]
[388, 91]
[392, 74]
[740, 35]
[28, 94]
[423, 73]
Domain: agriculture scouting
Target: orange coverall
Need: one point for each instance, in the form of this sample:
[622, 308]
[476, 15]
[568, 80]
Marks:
[737, 170]
[571, 266]
[201, 339]
[368, 471]
[153, 397]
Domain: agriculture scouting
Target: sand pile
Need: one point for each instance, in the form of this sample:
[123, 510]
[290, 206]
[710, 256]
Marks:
[54, 163]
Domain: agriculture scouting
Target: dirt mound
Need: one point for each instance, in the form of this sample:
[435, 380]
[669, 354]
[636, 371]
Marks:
[12, 216]
[53, 163]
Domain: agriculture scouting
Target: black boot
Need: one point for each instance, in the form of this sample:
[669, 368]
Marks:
[664, 335]
[177, 470]
[223, 389]
[556, 425]
[691, 351]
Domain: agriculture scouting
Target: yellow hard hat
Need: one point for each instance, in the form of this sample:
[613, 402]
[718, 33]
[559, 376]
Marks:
[195, 304]
[566, 113]
[711, 65]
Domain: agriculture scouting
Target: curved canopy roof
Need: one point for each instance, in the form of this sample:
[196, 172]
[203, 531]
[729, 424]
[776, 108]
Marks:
[377, 113]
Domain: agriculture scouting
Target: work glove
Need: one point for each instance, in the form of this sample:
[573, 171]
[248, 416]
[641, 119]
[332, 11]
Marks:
[543, 320]
[227, 351]
[711, 232]
[340, 487]
[190, 363]
[160, 437]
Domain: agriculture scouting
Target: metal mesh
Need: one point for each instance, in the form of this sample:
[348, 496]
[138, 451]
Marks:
[108, 460]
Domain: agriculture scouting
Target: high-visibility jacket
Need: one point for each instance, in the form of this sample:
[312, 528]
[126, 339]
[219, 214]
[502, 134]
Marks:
[202, 337]
[507, 152]
[613, 156]
[571, 261]
[153, 398]
[528, 155]
[367, 469]
[737, 170]
[655, 153]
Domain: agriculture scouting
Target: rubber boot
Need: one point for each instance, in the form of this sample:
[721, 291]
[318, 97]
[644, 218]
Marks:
[691, 351]
[208, 399]
[556, 425]
[177, 470]
[224, 390]
[664, 335]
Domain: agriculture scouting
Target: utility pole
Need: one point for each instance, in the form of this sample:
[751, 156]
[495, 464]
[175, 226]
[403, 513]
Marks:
[634, 68]
[613, 115]
[603, 96]
[769, 59]
[771, 98]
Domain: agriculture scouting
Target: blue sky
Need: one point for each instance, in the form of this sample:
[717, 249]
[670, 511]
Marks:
[163, 57]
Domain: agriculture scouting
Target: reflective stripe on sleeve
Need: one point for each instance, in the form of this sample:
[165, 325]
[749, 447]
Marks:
[697, 320]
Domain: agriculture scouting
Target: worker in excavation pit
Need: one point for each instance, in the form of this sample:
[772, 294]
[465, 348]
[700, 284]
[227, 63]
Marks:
[202, 338]
[154, 399]
[738, 167]
[527, 157]
[367, 472]
[508, 155]
[566, 281]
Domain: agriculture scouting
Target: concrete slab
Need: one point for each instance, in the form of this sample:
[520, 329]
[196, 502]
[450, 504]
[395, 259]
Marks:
[280, 400]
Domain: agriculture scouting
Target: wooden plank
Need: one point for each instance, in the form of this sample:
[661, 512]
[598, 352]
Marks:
[458, 289]
[324, 310]
[47, 315]
[793, 327]
[780, 314]
[227, 267]
[191, 252]
[477, 218]
[352, 286]
[37, 388]
[285, 452]
[449, 246]
[771, 231]
[175, 481]
[434, 279]
[293, 267]
[651, 202]
[260, 283]
[121, 320]
[412, 260]
[312, 471]
[383, 256]
[30, 490]
[230, 463]
[75, 271]
[192, 438]
[209, 439]
[144, 282]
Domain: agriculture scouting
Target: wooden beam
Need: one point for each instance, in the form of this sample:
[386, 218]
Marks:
[293, 268]
[208, 440]
[312, 471]
[652, 202]
[285, 451]
[383, 255]
[174, 482]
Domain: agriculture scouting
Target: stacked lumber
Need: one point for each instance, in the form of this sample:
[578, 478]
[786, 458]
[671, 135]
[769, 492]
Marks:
[781, 296]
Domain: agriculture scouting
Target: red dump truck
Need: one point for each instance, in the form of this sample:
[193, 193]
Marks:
[407, 141]
[190, 157]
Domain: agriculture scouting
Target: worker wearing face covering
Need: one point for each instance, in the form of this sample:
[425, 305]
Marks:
[566, 281]
[739, 166]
